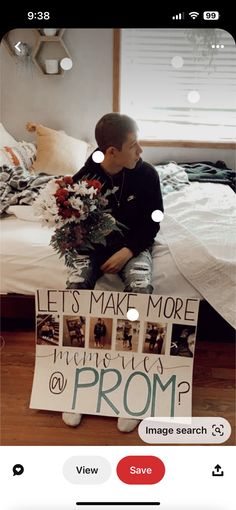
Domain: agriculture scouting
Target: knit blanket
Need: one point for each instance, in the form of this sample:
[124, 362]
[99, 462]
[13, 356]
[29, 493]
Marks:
[19, 187]
[172, 177]
[208, 172]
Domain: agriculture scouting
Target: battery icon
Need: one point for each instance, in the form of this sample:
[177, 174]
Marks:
[211, 15]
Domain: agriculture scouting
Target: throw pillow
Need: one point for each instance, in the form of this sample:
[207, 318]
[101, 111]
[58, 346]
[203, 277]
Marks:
[57, 153]
[21, 154]
[6, 138]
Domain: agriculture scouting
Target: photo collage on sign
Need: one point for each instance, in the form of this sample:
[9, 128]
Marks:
[123, 335]
[47, 329]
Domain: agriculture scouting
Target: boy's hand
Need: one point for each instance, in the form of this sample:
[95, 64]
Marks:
[115, 263]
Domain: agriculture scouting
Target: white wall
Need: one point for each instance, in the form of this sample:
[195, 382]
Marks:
[74, 102]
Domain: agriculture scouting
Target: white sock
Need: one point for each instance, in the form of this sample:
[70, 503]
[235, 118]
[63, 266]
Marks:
[126, 424]
[72, 419]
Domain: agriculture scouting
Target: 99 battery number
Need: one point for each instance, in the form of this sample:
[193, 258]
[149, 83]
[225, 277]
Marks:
[211, 15]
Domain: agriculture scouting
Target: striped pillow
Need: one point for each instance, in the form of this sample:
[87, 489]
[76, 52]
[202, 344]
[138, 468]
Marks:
[22, 154]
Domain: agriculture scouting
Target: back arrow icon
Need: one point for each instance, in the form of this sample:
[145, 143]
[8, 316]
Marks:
[17, 46]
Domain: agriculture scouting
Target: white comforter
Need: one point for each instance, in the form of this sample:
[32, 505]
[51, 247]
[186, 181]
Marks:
[200, 230]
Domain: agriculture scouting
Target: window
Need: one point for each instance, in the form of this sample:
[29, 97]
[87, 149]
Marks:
[178, 84]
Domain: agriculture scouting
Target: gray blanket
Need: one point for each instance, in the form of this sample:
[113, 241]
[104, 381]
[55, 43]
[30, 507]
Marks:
[18, 186]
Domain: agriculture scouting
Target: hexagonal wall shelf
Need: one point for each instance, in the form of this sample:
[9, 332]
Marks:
[48, 52]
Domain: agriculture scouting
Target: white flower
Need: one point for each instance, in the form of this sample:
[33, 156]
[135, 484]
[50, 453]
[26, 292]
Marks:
[46, 206]
[76, 203]
[51, 187]
[92, 191]
[81, 188]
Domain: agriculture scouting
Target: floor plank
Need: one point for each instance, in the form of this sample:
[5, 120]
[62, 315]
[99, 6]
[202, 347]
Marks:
[213, 395]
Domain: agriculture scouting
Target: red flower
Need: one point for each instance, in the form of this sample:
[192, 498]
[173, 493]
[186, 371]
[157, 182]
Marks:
[64, 181]
[65, 213]
[61, 194]
[76, 213]
[95, 183]
[68, 179]
[66, 246]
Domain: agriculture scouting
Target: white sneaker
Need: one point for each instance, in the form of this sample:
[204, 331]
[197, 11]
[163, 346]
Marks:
[72, 419]
[126, 424]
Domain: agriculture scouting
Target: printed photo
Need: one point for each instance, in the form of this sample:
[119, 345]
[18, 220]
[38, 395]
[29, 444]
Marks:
[100, 333]
[73, 331]
[154, 337]
[127, 335]
[47, 327]
[183, 340]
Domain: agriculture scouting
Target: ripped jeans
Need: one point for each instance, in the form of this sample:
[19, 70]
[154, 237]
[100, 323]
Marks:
[136, 274]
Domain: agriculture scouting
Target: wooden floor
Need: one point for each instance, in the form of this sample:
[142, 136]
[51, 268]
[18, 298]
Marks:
[213, 395]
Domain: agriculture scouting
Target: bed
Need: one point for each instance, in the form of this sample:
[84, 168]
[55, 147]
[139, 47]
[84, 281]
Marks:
[193, 254]
[29, 262]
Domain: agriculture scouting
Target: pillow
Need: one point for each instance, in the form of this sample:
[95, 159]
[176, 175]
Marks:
[6, 138]
[91, 148]
[57, 153]
[21, 154]
[24, 212]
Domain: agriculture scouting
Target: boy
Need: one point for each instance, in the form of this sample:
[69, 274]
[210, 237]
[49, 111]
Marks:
[137, 194]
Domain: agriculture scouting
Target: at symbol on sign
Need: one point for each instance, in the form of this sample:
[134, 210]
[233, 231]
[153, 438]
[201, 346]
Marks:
[57, 383]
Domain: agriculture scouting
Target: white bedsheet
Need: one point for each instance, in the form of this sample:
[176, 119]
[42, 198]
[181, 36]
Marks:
[28, 263]
[200, 230]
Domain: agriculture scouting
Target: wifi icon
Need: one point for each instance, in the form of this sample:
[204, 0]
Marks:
[194, 15]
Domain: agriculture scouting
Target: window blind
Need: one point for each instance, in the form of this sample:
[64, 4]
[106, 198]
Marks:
[179, 83]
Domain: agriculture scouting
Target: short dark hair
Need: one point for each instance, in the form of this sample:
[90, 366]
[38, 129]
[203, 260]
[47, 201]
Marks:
[112, 129]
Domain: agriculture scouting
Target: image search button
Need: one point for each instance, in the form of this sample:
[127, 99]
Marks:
[18, 469]
[185, 430]
[140, 469]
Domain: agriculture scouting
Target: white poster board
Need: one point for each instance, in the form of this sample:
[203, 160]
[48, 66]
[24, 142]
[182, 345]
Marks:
[91, 359]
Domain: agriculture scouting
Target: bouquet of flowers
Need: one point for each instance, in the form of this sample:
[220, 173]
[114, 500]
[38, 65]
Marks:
[79, 214]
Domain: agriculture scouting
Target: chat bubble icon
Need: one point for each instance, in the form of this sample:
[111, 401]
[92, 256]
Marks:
[18, 469]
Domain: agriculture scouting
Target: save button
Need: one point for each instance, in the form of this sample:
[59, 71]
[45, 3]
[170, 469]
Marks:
[140, 469]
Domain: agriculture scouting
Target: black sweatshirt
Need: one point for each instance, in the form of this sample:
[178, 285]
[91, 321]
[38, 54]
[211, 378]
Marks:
[139, 194]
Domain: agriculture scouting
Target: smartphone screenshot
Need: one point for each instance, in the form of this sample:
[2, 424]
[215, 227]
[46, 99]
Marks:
[118, 274]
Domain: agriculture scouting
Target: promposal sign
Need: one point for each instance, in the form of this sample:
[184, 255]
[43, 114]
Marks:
[91, 358]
